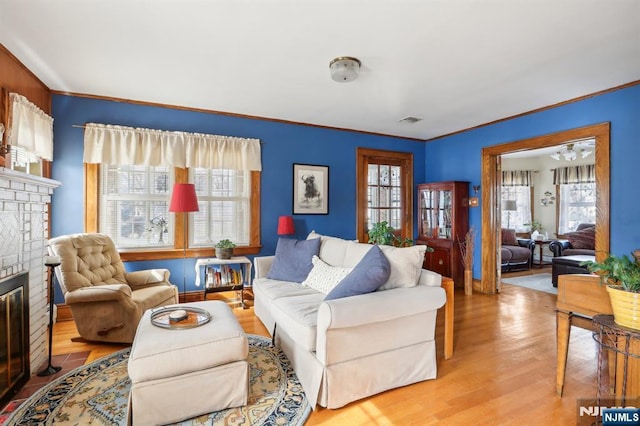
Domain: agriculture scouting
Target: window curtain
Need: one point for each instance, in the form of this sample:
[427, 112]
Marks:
[574, 174]
[114, 145]
[31, 128]
[517, 178]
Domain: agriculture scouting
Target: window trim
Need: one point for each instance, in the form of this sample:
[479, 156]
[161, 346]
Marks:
[91, 217]
[405, 160]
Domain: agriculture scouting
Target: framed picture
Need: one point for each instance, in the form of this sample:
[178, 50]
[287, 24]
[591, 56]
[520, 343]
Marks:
[310, 189]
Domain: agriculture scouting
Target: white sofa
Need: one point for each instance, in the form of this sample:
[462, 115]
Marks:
[346, 349]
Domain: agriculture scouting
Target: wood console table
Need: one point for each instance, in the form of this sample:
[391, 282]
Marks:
[580, 298]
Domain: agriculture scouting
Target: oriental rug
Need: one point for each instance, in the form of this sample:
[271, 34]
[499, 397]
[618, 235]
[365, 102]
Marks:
[97, 394]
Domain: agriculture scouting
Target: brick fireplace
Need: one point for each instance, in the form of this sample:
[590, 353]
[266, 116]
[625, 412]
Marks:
[24, 229]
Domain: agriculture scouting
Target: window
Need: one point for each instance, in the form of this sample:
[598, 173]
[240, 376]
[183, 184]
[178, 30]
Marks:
[224, 200]
[516, 219]
[385, 183]
[577, 205]
[134, 206]
[130, 202]
[384, 199]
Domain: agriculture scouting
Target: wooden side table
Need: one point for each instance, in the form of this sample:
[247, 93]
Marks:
[541, 244]
[624, 344]
[225, 284]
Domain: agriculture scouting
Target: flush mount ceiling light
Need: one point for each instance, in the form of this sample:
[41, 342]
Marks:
[344, 69]
[569, 153]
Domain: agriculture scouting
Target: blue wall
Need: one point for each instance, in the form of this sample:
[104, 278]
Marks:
[621, 108]
[283, 145]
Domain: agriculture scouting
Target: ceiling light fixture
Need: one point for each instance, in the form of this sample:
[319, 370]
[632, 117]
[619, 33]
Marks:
[344, 69]
[569, 153]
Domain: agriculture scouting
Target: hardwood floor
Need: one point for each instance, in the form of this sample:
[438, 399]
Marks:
[502, 370]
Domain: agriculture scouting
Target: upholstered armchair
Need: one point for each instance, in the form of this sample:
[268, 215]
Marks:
[106, 302]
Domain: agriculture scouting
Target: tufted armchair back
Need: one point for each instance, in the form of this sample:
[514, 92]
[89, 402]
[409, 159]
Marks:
[87, 260]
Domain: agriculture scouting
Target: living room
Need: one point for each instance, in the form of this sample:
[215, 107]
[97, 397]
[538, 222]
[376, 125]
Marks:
[455, 154]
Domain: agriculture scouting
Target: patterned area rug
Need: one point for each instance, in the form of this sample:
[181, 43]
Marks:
[97, 394]
[540, 282]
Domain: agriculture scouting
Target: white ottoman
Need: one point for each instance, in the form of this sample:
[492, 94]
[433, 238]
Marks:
[177, 374]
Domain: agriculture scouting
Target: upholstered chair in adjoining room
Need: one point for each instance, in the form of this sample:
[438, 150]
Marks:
[106, 302]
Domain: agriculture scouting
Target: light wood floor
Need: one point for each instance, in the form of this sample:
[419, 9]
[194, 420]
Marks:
[502, 370]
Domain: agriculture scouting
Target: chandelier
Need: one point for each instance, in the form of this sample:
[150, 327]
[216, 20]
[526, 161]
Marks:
[569, 153]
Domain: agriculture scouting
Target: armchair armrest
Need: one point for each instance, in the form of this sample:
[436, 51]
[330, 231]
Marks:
[148, 278]
[367, 316]
[262, 265]
[98, 293]
[527, 242]
[557, 246]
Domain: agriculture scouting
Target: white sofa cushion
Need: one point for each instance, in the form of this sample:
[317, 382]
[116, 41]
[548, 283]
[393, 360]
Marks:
[298, 316]
[270, 290]
[324, 277]
[406, 265]
[406, 262]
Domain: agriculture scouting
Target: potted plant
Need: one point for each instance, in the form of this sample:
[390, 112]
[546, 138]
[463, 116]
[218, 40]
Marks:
[382, 233]
[224, 249]
[622, 274]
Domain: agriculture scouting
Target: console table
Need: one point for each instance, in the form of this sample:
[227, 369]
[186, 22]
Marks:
[228, 283]
[541, 244]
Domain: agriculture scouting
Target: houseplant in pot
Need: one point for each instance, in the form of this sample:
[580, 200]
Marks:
[382, 233]
[224, 249]
[622, 274]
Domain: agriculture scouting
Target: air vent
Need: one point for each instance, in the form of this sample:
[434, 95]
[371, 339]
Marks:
[410, 120]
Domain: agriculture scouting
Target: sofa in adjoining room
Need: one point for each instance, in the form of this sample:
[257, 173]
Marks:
[355, 319]
[515, 253]
[582, 241]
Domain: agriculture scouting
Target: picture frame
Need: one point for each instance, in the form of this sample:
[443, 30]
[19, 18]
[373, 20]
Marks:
[310, 189]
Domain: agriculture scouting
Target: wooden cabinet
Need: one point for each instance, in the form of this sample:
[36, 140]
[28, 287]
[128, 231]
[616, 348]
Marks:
[443, 221]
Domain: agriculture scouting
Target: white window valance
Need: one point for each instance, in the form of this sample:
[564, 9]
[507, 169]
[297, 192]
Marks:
[31, 128]
[109, 144]
[575, 174]
[517, 178]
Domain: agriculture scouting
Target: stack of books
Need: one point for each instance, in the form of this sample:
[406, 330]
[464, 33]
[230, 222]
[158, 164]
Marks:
[223, 276]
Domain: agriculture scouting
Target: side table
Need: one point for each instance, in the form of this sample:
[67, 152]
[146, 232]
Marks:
[541, 244]
[225, 280]
[624, 368]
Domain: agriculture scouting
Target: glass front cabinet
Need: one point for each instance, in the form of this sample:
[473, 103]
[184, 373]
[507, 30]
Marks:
[443, 221]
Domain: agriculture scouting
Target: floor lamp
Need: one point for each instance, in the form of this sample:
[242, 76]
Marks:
[50, 262]
[184, 200]
[509, 206]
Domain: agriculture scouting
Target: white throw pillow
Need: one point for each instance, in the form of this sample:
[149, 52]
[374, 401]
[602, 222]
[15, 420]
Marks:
[406, 265]
[324, 277]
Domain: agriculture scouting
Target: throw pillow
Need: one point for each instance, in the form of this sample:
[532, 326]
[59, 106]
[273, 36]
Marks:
[509, 237]
[406, 265]
[583, 239]
[293, 259]
[324, 277]
[369, 274]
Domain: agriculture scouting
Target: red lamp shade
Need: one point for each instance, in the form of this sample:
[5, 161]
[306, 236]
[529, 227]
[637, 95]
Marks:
[285, 225]
[183, 198]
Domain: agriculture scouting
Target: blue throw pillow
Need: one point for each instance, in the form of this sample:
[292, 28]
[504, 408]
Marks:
[369, 274]
[293, 259]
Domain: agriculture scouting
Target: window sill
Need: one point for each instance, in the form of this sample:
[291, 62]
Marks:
[136, 255]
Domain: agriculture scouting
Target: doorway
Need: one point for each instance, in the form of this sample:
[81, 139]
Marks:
[491, 194]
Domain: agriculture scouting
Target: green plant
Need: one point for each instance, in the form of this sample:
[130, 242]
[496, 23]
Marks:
[225, 244]
[618, 270]
[382, 233]
[535, 225]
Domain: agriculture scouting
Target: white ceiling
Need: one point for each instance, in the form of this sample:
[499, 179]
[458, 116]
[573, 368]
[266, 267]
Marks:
[454, 63]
